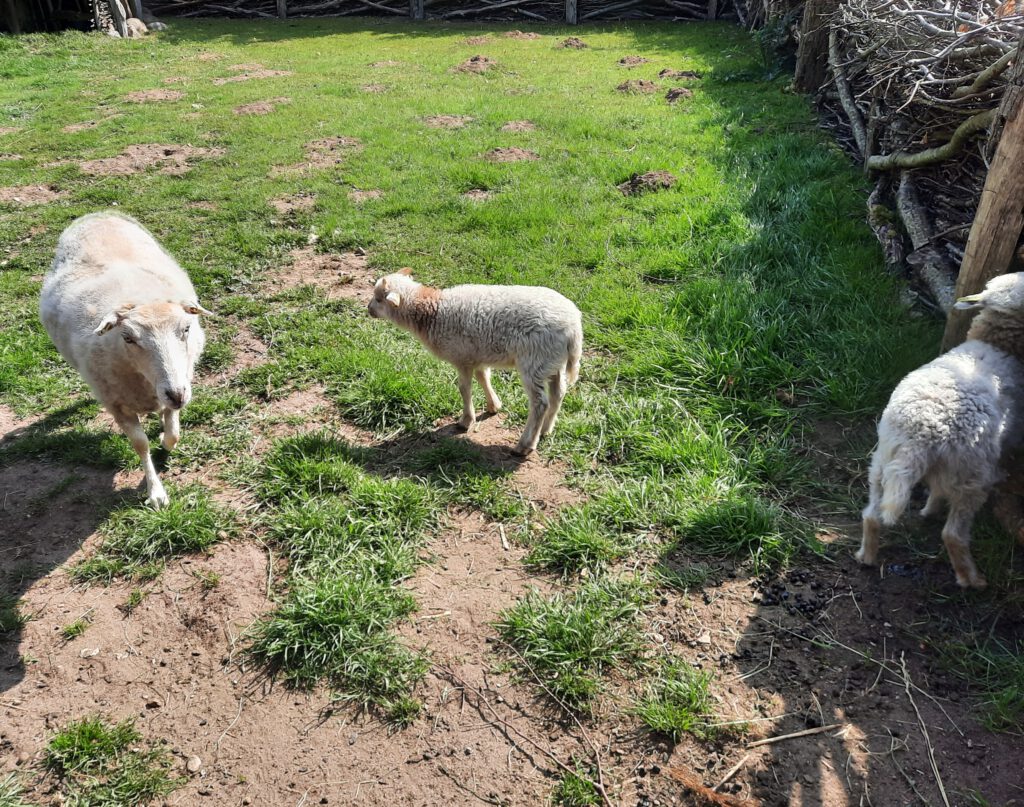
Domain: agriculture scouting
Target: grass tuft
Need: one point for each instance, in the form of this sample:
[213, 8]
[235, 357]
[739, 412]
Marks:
[575, 790]
[676, 701]
[10, 792]
[12, 618]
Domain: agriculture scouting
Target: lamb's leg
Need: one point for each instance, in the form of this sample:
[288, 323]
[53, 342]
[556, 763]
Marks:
[556, 393]
[1006, 506]
[933, 506]
[538, 412]
[483, 377]
[466, 388]
[956, 535]
[129, 423]
[172, 429]
[872, 524]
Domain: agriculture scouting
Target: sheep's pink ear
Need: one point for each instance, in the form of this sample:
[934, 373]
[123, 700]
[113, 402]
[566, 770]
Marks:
[405, 270]
[382, 284]
[111, 320]
[195, 308]
[393, 299]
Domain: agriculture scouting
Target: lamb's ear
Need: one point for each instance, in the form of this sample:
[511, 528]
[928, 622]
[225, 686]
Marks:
[405, 270]
[111, 320]
[195, 308]
[382, 284]
[393, 299]
[972, 302]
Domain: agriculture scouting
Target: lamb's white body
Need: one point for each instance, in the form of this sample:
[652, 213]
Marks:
[124, 314]
[949, 423]
[533, 329]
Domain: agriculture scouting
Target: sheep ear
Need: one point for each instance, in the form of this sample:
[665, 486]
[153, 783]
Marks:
[972, 302]
[195, 308]
[393, 299]
[382, 284]
[111, 320]
[405, 270]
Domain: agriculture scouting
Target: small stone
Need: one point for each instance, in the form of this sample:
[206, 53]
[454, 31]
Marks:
[194, 764]
[21, 759]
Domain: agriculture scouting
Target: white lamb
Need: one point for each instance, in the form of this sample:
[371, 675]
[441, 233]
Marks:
[124, 314]
[534, 329]
[949, 423]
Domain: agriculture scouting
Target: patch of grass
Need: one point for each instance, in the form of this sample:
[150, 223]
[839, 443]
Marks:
[571, 640]
[575, 790]
[75, 629]
[995, 670]
[134, 600]
[350, 538]
[466, 479]
[676, 701]
[208, 581]
[10, 792]
[104, 764]
[138, 540]
[11, 616]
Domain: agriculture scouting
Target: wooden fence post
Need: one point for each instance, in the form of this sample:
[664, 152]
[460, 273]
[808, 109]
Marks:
[282, 9]
[812, 53]
[1000, 218]
[570, 11]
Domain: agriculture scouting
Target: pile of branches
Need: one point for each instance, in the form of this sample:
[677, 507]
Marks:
[915, 85]
[539, 10]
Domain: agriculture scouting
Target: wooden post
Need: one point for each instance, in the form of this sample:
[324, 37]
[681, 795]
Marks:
[1000, 218]
[282, 9]
[119, 13]
[570, 11]
[417, 10]
[812, 53]
[712, 9]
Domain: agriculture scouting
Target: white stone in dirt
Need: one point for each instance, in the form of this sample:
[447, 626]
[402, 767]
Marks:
[194, 764]
[124, 314]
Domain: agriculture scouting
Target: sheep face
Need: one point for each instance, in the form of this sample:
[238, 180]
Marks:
[1002, 293]
[162, 342]
[390, 292]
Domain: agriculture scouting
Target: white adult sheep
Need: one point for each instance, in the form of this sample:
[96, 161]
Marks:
[949, 423]
[124, 314]
[533, 329]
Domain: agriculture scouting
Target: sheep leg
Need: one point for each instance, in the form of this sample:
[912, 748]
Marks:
[956, 535]
[872, 524]
[172, 429]
[466, 388]
[556, 393]
[483, 377]
[1006, 507]
[538, 412]
[156, 495]
[933, 506]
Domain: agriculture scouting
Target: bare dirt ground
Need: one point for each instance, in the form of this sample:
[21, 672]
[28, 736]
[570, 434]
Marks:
[25, 195]
[324, 153]
[510, 155]
[250, 75]
[476, 64]
[289, 204]
[677, 94]
[478, 195]
[572, 42]
[638, 86]
[632, 61]
[261, 107]
[344, 275]
[360, 196]
[168, 159]
[645, 183]
[447, 121]
[519, 126]
[150, 96]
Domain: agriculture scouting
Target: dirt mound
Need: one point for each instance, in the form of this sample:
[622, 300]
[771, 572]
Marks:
[477, 195]
[171, 159]
[638, 86]
[519, 126]
[342, 275]
[289, 204]
[151, 96]
[476, 40]
[670, 73]
[374, 88]
[644, 183]
[6, 130]
[208, 57]
[521, 35]
[71, 128]
[447, 121]
[174, 79]
[676, 93]
[260, 107]
[209, 207]
[358, 197]
[386, 63]
[632, 61]
[245, 68]
[511, 155]
[476, 64]
[26, 195]
[572, 42]
[249, 75]
[324, 153]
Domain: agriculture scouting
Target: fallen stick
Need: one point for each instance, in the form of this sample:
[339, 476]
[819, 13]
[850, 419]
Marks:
[504, 540]
[795, 734]
[732, 772]
[924, 731]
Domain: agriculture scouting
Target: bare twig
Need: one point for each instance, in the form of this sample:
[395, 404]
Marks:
[793, 735]
[924, 731]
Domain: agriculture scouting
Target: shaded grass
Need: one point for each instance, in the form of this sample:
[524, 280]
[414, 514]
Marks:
[104, 764]
[995, 671]
[139, 540]
[571, 640]
[11, 616]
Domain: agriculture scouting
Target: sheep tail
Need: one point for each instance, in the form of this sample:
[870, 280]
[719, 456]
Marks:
[574, 351]
[900, 472]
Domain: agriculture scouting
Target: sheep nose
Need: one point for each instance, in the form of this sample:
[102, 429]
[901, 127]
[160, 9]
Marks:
[176, 397]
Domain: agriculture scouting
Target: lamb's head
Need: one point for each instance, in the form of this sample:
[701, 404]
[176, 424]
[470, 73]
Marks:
[162, 341]
[391, 293]
[1004, 294]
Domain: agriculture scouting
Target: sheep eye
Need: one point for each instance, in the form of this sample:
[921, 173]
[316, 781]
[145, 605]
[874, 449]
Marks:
[184, 333]
[128, 339]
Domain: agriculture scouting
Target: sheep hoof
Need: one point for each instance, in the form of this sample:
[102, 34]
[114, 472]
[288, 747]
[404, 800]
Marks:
[865, 559]
[975, 580]
[522, 451]
[465, 425]
[168, 441]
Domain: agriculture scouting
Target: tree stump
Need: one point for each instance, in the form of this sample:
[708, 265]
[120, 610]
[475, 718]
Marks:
[812, 52]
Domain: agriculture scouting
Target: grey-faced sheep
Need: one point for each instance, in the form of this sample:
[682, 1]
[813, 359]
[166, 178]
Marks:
[949, 423]
[125, 315]
[535, 330]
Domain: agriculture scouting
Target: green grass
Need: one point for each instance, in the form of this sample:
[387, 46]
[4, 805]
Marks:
[572, 640]
[11, 791]
[11, 615]
[103, 764]
[676, 701]
[75, 629]
[575, 791]
[995, 671]
[139, 540]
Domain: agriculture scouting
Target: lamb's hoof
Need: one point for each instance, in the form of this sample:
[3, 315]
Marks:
[465, 425]
[168, 441]
[493, 410]
[158, 499]
[522, 451]
[975, 580]
[864, 558]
